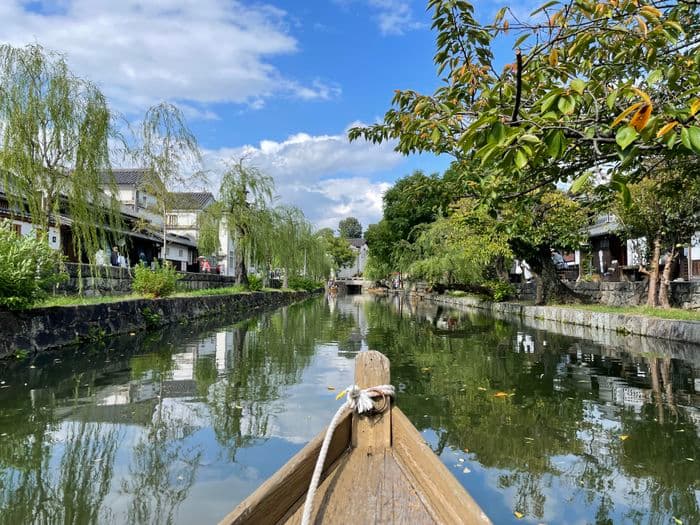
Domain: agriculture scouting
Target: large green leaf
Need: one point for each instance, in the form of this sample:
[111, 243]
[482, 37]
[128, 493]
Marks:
[694, 137]
[626, 136]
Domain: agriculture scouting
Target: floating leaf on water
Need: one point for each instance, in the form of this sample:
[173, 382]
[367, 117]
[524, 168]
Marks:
[340, 394]
[624, 437]
[461, 460]
[676, 520]
[425, 369]
[501, 394]
[690, 459]
[32, 366]
[482, 389]
[680, 430]
[466, 470]
[239, 407]
[330, 387]
[518, 514]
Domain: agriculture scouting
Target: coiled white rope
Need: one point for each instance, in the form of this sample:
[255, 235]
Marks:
[357, 399]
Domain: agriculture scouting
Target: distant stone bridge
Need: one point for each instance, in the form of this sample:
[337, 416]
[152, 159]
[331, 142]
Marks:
[353, 284]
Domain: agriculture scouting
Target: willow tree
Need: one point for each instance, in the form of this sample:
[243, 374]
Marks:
[245, 195]
[169, 152]
[54, 150]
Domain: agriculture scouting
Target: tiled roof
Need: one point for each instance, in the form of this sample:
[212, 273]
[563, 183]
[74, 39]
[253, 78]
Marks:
[357, 242]
[191, 200]
[125, 176]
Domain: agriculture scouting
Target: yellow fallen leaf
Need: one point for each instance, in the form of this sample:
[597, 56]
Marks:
[624, 437]
[481, 388]
[340, 394]
[518, 515]
[330, 388]
[501, 394]
[676, 520]
[425, 369]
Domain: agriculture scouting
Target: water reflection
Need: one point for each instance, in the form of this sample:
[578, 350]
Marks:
[177, 426]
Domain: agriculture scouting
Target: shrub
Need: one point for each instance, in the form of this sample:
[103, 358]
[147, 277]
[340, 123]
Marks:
[500, 290]
[28, 268]
[255, 283]
[159, 282]
[304, 283]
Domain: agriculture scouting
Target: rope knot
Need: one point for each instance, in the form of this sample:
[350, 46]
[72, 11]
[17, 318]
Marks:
[362, 399]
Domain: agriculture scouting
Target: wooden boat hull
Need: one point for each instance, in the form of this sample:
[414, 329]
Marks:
[378, 470]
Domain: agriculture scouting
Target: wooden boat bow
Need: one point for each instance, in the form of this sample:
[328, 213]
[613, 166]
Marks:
[378, 470]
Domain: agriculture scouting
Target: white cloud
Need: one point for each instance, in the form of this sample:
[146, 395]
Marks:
[325, 175]
[194, 51]
[395, 17]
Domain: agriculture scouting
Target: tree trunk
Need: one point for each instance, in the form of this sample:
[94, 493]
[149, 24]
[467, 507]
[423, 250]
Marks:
[666, 279]
[548, 285]
[652, 299]
[285, 279]
[241, 271]
[500, 267]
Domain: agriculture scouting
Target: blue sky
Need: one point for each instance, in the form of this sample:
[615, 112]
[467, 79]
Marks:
[279, 81]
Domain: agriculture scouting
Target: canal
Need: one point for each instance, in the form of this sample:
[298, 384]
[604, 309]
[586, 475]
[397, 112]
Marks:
[179, 425]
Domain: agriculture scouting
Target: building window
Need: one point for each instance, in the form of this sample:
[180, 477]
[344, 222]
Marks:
[17, 228]
[179, 252]
[172, 220]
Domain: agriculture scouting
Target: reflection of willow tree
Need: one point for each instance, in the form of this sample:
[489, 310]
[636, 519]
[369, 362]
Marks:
[162, 473]
[267, 356]
[163, 467]
[30, 490]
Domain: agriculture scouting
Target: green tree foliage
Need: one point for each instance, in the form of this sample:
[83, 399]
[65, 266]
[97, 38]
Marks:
[169, 152]
[158, 282]
[413, 201]
[590, 85]
[460, 248]
[246, 196]
[54, 131]
[208, 223]
[337, 248]
[665, 209]
[350, 228]
[29, 267]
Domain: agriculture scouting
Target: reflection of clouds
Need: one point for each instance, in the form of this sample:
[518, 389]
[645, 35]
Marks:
[306, 408]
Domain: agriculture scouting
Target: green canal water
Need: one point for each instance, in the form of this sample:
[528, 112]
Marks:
[180, 425]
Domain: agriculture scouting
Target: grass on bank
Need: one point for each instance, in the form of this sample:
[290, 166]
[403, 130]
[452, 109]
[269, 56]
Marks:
[81, 300]
[677, 314]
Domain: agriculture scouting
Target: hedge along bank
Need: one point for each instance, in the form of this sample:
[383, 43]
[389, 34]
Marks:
[40, 329]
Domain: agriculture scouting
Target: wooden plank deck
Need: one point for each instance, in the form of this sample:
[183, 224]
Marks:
[367, 489]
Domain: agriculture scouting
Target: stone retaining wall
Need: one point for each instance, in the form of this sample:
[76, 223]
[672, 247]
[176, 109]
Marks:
[44, 328]
[684, 294]
[111, 280]
[553, 317]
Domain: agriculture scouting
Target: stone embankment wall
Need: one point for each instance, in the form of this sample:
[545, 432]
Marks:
[44, 328]
[111, 280]
[684, 294]
[553, 317]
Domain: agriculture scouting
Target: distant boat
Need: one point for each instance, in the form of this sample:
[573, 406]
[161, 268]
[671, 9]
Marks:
[378, 469]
